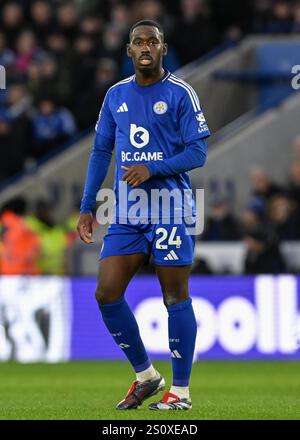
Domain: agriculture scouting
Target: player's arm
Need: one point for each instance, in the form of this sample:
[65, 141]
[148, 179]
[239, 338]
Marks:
[97, 169]
[194, 131]
[194, 156]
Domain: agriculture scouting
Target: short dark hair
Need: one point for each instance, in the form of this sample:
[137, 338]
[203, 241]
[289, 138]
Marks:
[146, 23]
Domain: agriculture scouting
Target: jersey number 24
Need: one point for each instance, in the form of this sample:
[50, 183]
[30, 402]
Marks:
[172, 240]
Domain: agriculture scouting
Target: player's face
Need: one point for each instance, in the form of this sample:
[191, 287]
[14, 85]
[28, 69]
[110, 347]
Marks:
[146, 49]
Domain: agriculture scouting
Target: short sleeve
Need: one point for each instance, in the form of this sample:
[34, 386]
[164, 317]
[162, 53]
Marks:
[191, 118]
[106, 125]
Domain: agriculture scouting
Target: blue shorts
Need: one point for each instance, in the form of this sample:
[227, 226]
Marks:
[169, 245]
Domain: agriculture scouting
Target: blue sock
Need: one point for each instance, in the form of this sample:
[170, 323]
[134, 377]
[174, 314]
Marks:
[122, 325]
[182, 337]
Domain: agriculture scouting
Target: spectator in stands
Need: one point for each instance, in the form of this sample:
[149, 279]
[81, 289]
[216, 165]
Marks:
[262, 187]
[19, 102]
[53, 239]
[42, 19]
[91, 26]
[68, 20]
[12, 144]
[89, 101]
[120, 18]
[112, 43]
[7, 56]
[52, 125]
[84, 63]
[197, 33]
[232, 36]
[20, 110]
[296, 24]
[27, 50]
[283, 217]
[281, 20]
[33, 82]
[106, 75]
[294, 183]
[150, 10]
[221, 224]
[262, 15]
[52, 79]
[57, 43]
[254, 213]
[263, 255]
[12, 21]
[62, 53]
[19, 245]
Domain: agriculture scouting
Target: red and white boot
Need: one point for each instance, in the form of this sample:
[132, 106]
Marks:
[171, 402]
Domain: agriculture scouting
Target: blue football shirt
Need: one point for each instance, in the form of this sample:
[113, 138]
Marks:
[146, 124]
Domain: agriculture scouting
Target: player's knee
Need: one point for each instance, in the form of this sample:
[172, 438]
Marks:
[107, 294]
[174, 295]
[170, 300]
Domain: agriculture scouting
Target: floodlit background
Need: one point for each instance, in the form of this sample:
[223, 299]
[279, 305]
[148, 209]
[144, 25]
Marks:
[243, 59]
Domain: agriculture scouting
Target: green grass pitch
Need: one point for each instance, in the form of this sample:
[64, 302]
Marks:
[219, 390]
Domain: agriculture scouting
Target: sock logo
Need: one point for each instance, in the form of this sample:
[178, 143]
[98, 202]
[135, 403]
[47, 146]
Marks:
[122, 345]
[176, 354]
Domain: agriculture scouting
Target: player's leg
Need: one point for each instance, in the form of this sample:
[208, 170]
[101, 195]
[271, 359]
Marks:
[173, 259]
[123, 253]
[182, 333]
[115, 272]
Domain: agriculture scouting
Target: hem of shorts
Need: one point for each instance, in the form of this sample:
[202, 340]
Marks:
[122, 253]
[173, 263]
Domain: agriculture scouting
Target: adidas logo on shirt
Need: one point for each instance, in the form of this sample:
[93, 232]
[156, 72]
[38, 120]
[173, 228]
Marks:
[123, 108]
[171, 256]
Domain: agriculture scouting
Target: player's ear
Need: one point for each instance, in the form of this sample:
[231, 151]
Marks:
[128, 50]
[165, 49]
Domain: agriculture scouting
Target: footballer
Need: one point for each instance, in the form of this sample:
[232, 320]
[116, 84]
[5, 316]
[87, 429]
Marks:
[154, 121]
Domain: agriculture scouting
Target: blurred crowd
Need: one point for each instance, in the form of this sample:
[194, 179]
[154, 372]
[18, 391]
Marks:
[31, 241]
[61, 56]
[271, 216]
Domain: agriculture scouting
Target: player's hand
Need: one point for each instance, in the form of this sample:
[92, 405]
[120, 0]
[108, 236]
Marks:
[85, 228]
[136, 174]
